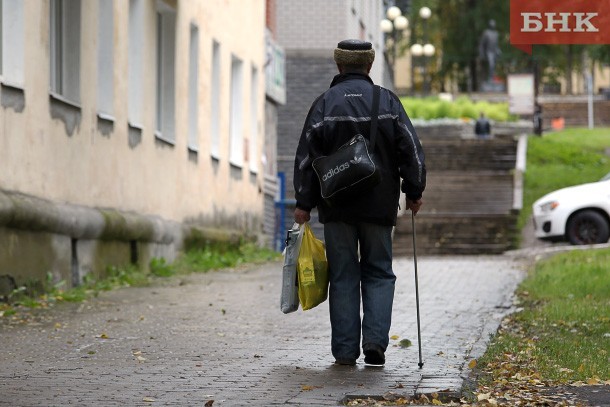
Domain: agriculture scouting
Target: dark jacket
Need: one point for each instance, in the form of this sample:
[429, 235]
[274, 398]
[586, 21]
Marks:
[482, 127]
[336, 116]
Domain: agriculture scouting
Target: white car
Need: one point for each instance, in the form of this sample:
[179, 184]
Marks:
[578, 214]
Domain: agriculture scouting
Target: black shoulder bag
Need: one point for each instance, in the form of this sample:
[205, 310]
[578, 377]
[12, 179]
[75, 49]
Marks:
[350, 171]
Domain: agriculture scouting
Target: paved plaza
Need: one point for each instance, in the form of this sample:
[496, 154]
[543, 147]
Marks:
[221, 336]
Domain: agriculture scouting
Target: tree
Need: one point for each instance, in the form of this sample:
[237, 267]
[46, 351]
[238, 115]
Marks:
[459, 27]
[463, 23]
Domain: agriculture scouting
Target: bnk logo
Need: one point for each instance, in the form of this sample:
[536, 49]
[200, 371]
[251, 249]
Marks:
[559, 22]
[566, 22]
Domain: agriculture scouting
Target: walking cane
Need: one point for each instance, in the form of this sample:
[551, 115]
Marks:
[421, 363]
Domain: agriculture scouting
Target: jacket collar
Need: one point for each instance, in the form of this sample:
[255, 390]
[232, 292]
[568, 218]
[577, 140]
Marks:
[350, 75]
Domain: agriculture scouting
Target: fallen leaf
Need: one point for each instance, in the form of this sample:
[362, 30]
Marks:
[437, 402]
[307, 388]
[483, 396]
[405, 343]
[209, 403]
[472, 364]
[148, 399]
[578, 384]
[103, 336]
[141, 359]
[593, 381]
[394, 337]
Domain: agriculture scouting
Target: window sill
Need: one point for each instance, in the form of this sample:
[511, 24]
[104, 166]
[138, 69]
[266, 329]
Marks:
[59, 98]
[11, 85]
[105, 117]
[12, 96]
[193, 149]
[236, 165]
[159, 137]
[135, 126]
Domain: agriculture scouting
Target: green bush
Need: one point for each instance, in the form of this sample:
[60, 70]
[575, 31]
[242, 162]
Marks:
[160, 268]
[462, 107]
[211, 257]
[469, 111]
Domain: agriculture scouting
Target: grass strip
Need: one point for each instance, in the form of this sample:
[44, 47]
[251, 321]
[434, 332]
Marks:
[196, 260]
[561, 335]
[561, 159]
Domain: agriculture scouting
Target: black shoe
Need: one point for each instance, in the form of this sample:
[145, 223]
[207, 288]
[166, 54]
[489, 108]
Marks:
[345, 362]
[373, 355]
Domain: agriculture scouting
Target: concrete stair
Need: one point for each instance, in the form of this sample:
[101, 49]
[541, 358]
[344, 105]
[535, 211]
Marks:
[468, 202]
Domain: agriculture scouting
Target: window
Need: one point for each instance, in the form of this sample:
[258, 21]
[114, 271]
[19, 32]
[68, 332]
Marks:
[236, 113]
[11, 42]
[215, 102]
[193, 142]
[166, 44]
[253, 145]
[105, 59]
[136, 38]
[65, 49]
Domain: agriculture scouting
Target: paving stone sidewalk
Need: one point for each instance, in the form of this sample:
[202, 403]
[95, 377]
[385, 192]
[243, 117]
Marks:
[220, 336]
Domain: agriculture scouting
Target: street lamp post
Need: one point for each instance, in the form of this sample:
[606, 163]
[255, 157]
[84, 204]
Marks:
[423, 50]
[393, 26]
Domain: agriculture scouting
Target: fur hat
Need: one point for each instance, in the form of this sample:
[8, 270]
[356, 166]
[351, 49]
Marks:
[354, 52]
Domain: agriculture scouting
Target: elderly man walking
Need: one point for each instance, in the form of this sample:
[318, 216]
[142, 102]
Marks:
[358, 233]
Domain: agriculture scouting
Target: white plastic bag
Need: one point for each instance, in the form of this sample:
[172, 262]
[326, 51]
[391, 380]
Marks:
[289, 301]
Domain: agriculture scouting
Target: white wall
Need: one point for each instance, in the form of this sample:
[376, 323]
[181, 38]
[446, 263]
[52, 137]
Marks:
[100, 163]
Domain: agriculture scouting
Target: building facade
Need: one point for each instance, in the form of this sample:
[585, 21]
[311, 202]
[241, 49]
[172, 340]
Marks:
[126, 128]
[275, 90]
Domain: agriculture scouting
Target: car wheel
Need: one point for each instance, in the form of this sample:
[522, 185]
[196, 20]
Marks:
[588, 227]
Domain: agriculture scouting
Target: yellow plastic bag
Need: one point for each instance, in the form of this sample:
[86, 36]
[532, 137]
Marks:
[313, 270]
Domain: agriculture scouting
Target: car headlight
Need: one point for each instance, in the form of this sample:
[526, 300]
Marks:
[549, 206]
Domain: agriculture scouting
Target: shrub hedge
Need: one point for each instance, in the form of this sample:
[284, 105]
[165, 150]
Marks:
[462, 108]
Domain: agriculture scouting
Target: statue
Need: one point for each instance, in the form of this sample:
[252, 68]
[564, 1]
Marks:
[489, 50]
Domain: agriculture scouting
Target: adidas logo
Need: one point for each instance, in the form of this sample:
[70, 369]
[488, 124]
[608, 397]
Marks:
[356, 160]
[335, 171]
